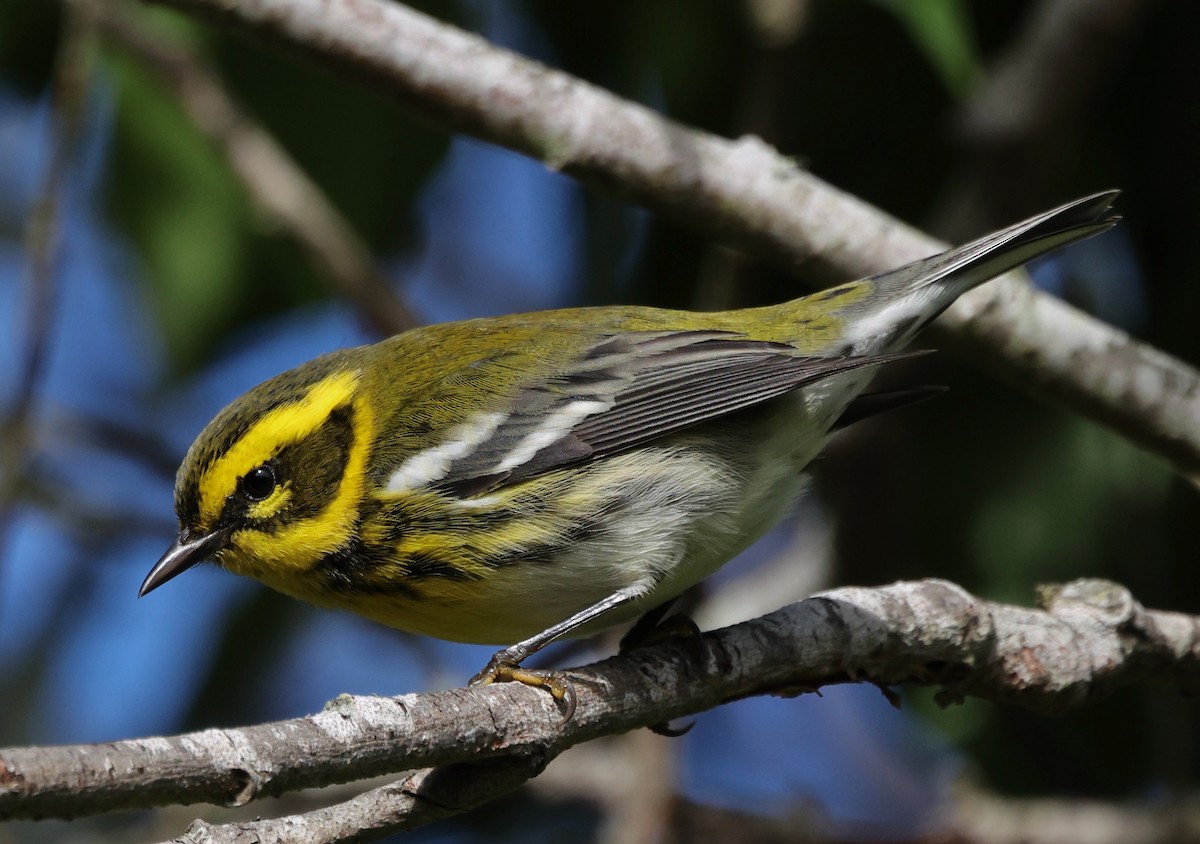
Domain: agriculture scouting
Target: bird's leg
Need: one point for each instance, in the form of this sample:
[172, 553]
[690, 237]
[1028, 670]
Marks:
[505, 665]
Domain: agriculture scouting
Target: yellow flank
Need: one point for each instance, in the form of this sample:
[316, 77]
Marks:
[286, 424]
[442, 547]
[522, 535]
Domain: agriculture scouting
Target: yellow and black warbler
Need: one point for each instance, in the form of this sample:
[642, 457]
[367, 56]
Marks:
[529, 477]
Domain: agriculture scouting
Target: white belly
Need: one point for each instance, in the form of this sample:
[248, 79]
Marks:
[676, 516]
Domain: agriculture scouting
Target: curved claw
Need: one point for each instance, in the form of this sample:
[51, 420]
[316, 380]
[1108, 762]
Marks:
[665, 729]
[501, 670]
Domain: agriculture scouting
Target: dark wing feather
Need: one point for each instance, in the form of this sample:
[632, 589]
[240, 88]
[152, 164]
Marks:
[633, 388]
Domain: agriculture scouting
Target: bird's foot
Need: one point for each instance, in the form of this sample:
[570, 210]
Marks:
[503, 668]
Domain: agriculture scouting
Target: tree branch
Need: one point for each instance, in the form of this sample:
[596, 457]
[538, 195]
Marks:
[1033, 110]
[422, 797]
[742, 191]
[1052, 69]
[1091, 638]
[977, 817]
[275, 182]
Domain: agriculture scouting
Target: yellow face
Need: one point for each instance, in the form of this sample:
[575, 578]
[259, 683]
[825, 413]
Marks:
[281, 473]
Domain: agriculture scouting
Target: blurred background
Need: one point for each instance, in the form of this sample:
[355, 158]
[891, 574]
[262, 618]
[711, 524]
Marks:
[184, 214]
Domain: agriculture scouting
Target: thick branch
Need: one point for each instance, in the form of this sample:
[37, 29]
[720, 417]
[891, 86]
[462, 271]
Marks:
[1092, 638]
[742, 191]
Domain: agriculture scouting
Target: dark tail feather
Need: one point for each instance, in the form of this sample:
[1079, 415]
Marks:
[873, 404]
[905, 300]
[969, 265]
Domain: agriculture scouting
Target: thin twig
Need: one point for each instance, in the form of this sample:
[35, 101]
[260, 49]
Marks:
[42, 246]
[1028, 117]
[422, 797]
[274, 181]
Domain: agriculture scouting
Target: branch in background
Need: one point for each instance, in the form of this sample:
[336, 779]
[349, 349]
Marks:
[72, 72]
[650, 780]
[980, 818]
[274, 181]
[1054, 68]
[422, 797]
[742, 191]
[1031, 108]
[1091, 638]
[968, 815]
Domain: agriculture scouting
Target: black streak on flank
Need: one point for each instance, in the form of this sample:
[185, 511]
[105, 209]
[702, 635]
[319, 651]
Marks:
[354, 569]
[583, 530]
[424, 566]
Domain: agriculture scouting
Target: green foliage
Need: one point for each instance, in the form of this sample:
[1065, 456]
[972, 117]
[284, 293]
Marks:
[942, 30]
[176, 197]
[213, 260]
[1055, 513]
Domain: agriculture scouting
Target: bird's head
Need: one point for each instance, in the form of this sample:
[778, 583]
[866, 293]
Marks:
[275, 481]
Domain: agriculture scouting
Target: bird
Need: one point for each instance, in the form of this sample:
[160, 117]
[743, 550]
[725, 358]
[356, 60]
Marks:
[520, 479]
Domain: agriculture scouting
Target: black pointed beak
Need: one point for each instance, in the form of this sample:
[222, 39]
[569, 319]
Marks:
[185, 552]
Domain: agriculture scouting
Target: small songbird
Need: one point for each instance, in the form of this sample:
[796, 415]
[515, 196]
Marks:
[530, 477]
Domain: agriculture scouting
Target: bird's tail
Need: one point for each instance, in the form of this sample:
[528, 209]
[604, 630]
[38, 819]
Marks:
[905, 300]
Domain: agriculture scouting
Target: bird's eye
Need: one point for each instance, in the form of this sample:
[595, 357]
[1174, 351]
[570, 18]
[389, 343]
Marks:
[259, 482]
